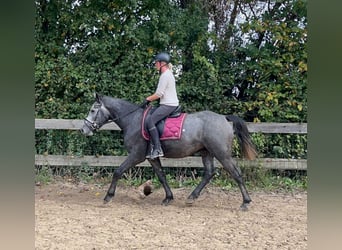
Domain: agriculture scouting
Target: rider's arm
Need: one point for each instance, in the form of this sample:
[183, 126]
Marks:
[152, 97]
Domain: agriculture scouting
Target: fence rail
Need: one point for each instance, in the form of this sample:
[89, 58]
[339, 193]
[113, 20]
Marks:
[193, 162]
[265, 127]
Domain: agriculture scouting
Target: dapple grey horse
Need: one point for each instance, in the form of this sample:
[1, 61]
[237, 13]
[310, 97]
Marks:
[207, 133]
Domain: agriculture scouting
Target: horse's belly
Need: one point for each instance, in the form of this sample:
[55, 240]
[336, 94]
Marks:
[180, 150]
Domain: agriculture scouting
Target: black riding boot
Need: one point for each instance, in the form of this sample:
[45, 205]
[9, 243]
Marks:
[155, 144]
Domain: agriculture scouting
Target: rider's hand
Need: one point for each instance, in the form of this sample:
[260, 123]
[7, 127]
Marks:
[145, 103]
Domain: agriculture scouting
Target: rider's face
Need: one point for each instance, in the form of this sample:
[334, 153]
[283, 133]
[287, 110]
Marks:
[157, 65]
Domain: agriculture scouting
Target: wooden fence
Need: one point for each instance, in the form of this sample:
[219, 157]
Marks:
[194, 162]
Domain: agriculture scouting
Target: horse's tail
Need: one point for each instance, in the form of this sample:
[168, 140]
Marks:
[244, 139]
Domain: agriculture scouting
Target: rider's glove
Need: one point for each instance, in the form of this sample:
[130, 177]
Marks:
[145, 103]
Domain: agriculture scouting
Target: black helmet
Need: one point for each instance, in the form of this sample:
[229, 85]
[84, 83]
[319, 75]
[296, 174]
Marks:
[162, 57]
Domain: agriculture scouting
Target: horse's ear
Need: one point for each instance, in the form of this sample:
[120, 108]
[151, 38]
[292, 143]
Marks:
[97, 97]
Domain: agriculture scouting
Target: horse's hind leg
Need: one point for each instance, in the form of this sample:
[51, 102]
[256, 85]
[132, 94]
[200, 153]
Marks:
[235, 172]
[208, 163]
[156, 165]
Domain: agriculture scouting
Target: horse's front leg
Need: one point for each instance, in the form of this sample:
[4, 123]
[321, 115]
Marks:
[156, 165]
[130, 161]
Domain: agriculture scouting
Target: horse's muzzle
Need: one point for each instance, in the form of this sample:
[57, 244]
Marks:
[86, 131]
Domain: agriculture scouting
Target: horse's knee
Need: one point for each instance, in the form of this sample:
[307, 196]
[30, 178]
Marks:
[117, 174]
[237, 177]
[211, 173]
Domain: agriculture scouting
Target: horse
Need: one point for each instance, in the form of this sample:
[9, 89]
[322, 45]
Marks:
[206, 133]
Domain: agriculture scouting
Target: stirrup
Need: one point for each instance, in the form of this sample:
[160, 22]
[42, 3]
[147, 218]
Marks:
[149, 151]
[156, 153]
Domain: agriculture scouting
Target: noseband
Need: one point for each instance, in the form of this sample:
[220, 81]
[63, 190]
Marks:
[93, 126]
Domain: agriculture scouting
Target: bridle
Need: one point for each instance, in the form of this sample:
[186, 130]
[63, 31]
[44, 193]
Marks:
[93, 125]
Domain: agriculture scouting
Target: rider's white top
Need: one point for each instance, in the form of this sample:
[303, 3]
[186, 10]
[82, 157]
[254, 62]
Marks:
[166, 89]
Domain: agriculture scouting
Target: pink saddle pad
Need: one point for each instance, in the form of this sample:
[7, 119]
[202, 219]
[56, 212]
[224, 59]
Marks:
[172, 128]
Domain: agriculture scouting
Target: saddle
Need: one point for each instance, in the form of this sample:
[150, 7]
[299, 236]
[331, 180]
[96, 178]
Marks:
[169, 127]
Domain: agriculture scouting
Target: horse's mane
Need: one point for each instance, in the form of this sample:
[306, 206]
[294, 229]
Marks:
[110, 101]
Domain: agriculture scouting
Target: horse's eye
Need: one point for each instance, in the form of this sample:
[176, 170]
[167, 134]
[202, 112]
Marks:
[92, 111]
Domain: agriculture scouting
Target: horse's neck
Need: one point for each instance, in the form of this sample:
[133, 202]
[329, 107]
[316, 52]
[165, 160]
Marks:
[125, 113]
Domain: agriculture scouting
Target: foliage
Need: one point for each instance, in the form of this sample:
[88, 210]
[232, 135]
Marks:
[255, 178]
[43, 175]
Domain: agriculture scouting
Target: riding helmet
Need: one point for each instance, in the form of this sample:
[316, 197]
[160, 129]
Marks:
[162, 57]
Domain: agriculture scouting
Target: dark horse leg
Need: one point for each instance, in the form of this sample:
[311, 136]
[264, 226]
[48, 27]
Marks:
[208, 163]
[130, 161]
[156, 165]
[235, 173]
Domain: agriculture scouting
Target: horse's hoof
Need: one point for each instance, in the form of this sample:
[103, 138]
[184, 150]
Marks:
[189, 201]
[167, 201]
[107, 199]
[244, 207]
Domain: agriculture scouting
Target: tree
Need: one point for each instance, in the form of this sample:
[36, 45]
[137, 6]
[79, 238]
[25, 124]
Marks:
[262, 53]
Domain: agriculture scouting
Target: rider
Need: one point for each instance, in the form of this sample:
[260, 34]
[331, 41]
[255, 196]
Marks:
[166, 92]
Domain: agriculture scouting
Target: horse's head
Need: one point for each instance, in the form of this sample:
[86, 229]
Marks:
[97, 117]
